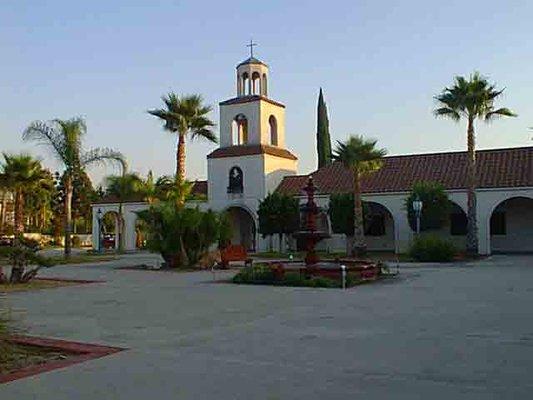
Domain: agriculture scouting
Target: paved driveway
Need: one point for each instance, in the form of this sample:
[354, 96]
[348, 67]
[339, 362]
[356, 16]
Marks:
[440, 333]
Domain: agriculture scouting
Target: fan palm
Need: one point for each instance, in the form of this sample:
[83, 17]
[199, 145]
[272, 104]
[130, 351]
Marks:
[124, 187]
[471, 99]
[362, 157]
[184, 116]
[64, 138]
[21, 174]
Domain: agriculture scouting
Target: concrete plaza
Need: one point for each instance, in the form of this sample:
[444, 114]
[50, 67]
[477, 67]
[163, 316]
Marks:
[443, 332]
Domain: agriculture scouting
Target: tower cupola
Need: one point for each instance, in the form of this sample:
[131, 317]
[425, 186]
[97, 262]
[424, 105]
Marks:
[252, 76]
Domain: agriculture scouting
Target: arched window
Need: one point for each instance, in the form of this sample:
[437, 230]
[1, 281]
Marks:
[264, 86]
[235, 184]
[239, 130]
[256, 83]
[273, 130]
[246, 87]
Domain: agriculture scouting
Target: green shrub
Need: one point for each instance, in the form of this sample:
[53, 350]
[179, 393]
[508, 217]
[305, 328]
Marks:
[182, 235]
[265, 275]
[322, 282]
[432, 248]
[292, 278]
[435, 205]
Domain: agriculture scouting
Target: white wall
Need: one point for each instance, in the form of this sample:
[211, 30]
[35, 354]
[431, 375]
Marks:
[268, 109]
[228, 113]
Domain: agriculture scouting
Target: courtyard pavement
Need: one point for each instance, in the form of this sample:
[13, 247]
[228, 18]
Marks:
[443, 332]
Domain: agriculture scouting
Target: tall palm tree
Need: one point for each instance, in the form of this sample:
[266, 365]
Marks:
[185, 115]
[471, 99]
[21, 174]
[64, 139]
[362, 157]
[124, 187]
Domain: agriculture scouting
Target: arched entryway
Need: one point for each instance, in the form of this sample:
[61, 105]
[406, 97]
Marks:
[109, 230]
[511, 226]
[243, 227]
[379, 227]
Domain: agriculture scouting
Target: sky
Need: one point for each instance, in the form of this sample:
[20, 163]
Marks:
[380, 63]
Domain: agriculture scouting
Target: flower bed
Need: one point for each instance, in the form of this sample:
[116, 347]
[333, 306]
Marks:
[277, 275]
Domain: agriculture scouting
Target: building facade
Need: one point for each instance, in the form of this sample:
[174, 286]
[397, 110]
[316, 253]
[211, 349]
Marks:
[253, 160]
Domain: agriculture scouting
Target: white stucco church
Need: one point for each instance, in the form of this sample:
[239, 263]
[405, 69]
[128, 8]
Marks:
[253, 160]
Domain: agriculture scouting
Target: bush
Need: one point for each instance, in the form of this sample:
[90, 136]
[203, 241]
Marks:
[435, 205]
[182, 235]
[269, 275]
[431, 248]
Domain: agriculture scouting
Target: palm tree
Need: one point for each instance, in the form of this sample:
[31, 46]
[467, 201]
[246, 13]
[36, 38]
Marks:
[362, 157]
[124, 187]
[64, 138]
[471, 99]
[185, 115]
[21, 174]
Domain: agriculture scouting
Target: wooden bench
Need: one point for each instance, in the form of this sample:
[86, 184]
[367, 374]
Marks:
[234, 252]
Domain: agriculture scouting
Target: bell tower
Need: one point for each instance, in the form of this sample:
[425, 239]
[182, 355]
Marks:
[252, 117]
[252, 159]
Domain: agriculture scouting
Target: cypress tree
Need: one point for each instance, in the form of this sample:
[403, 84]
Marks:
[323, 141]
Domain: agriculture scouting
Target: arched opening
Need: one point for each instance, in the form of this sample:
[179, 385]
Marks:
[264, 92]
[511, 226]
[140, 234]
[378, 227]
[109, 230]
[235, 180]
[246, 87]
[273, 130]
[239, 130]
[256, 83]
[243, 227]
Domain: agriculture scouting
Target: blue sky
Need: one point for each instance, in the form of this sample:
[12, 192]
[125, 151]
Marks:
[379, 62]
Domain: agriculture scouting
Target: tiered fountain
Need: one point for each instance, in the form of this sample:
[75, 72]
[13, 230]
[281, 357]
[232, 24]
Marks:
[311, 230]
[314, 228]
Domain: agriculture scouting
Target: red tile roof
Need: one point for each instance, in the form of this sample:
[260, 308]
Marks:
[249, 99]
[236, 151]
[512, 167]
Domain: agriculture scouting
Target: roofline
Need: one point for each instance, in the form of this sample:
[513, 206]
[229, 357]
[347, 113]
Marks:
[249, 99]
[459, 152]
[405, 192]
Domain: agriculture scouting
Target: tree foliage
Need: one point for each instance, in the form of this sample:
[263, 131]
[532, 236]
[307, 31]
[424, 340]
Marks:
[24, 176]
[435, 205]
[341, 213]
[24, 260]
[182, 235]
[471, 98]
[185, 115]
[64, 139]
[323, 140]
[361, 157]
[278, 214]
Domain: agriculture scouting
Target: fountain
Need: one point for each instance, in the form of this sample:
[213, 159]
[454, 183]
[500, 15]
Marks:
[314, 228]
[313, 225]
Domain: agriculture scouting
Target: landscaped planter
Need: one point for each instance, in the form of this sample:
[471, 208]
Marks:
[62, 354]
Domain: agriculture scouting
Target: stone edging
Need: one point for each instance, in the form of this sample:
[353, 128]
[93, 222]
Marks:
[80, 352]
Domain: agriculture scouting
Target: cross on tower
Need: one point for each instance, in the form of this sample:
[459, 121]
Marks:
[251, 46]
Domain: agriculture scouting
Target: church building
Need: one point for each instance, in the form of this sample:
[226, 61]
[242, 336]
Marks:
[253, 160]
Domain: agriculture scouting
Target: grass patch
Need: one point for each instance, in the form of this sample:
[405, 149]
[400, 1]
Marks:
[14, 357]
[34, 284]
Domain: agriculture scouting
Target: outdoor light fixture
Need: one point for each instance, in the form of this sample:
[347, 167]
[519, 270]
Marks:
[417, 208]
